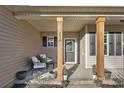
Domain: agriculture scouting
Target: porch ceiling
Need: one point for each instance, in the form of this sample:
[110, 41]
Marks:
[36, 15]
[70, 23]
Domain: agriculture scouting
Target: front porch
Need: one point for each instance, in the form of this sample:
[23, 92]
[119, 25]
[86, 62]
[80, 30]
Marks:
[74, 39]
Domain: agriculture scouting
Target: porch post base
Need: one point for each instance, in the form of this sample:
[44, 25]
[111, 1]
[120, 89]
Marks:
[101, 78]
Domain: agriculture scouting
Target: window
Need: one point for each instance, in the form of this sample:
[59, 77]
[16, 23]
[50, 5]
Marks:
[49, 41]
[111, 44]
[92, 44]
[115, 43]
[118, 43]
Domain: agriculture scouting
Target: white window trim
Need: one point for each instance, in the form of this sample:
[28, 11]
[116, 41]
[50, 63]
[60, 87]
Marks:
[86, 46]
[107, 44]
[114, 44]
[50, 41]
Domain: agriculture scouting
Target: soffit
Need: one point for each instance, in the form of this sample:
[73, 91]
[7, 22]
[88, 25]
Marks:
[75, 9]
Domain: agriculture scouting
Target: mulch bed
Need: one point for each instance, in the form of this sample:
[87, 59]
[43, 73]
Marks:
[112, 86]
[19, 86]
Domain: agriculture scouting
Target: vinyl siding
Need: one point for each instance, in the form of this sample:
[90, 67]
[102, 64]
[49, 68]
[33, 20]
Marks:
[52, 51]
[18, 42]
[110, 61]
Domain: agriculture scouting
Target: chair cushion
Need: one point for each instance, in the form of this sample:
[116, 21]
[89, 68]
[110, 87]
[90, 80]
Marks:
[43, 56]
[39, 65]
[42, 60]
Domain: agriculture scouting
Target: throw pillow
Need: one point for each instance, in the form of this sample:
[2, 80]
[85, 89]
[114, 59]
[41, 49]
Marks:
[40, 58]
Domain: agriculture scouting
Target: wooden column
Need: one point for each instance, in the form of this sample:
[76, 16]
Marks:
[60, 48]
[100, 47]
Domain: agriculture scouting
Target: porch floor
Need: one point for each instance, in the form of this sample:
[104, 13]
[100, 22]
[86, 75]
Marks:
[41, 78]
[35, 74]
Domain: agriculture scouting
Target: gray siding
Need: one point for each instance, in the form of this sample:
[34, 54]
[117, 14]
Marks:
[18, 41]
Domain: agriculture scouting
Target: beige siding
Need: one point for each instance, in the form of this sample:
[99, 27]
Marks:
[110, 61]
[52, 52]
[18, 41]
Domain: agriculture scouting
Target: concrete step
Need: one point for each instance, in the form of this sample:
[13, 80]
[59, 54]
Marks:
[81, 82]
[81, 86]
[109, 82]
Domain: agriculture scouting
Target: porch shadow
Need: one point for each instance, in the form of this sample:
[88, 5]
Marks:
[72, 69]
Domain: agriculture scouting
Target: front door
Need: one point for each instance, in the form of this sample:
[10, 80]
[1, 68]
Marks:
[70, 50]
